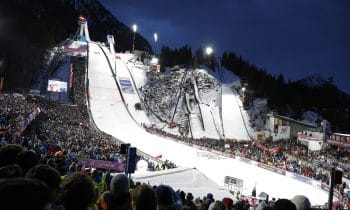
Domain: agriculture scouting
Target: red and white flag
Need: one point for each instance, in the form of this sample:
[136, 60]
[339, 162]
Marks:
[159, 156]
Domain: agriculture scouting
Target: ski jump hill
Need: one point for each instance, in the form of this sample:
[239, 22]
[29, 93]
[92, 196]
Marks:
[112, 93]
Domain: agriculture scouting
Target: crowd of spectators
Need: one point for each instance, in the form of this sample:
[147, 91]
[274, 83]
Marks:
[59, 133]
[288, 155]
[25, 183]
[42, 140]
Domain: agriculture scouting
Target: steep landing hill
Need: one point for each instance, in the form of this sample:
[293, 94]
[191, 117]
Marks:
[30, 27]
[172, 98]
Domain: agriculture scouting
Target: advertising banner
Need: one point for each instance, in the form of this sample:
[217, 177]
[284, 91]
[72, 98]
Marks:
[302, 178]
[57, 86]
[126, 85]
[108, 165]
[245, 160]
[270, 168]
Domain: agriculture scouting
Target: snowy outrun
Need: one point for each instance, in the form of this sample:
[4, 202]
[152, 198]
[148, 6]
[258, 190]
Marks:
[120, 119]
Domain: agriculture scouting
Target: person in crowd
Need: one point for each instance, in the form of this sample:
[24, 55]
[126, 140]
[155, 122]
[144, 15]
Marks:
[182, 196]
[78, 192]
[8, 154]
[301, 202]
[109, 201]
[189, 202]
[99, 180]
[50, 177]
[199, 204]
[108, 179]
[27, 159]
[219, 205]
[284, 204]
[165, 198]
[228, 203]
[120, 187]
[21, 193]
[143, 198]
[262, 204]
[10, 171]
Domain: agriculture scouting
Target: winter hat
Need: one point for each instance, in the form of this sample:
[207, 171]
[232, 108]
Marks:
[284, 204]
[261, 205]
[301, 202]
[10, 171]
[189, 196]
[120, 184]
[164, 195]
[209, 196]
[45, 173]
[228, 202]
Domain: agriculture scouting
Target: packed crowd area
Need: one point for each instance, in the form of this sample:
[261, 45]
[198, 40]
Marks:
[41, 142]
[27, 184]
[288, 155]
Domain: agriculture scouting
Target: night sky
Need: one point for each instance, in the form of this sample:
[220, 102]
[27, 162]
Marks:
[293, 37]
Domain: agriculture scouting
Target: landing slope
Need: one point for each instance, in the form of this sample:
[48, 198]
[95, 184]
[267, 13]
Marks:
[110, 115]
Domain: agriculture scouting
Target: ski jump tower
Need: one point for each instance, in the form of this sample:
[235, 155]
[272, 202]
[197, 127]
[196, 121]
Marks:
[83, 32]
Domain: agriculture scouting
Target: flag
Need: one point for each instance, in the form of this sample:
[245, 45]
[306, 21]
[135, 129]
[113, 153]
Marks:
[71, 76]
[1, 83]
[159, 156]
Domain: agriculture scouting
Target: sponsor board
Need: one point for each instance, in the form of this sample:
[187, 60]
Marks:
[253, 162]
[126, 85]
[109, 165]
[270, 168]
[57, 86]
[302, 178]
[316, 183]
[245, 160]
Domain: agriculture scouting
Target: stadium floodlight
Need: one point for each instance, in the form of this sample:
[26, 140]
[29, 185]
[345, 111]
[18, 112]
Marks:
[134, 28]
[154, 61]
[209, 50]
[155, 35]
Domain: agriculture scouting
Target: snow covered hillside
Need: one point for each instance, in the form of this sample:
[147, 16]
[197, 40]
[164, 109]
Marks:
[189, 102]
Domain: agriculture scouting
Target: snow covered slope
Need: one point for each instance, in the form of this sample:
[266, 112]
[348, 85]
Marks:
[110, 115]
[233, 120]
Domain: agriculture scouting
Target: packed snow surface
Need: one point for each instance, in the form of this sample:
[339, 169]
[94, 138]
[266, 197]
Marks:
[111, 116]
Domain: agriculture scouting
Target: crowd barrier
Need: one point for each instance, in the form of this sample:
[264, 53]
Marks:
[301, 178]
[108, 165]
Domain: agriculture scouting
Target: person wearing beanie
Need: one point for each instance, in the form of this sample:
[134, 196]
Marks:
[24, 193]
[120, 187]
[78, 192]
[143, 198]
[284, 204]
[167, 198]
[27, 159]
[120, 184]
[189, 202]
[301, 202]
[164, 198]
[50, 177]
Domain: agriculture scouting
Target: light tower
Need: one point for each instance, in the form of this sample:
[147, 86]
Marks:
[134, 28]
[209, 51]
[83, 35]
[155, 35]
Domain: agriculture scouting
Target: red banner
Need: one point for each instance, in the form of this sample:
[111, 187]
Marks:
[1, 83]
[71, 77]
[102, 164]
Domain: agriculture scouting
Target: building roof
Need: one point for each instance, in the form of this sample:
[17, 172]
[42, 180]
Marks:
[341, 134]
[293, 120]
[338, 143]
